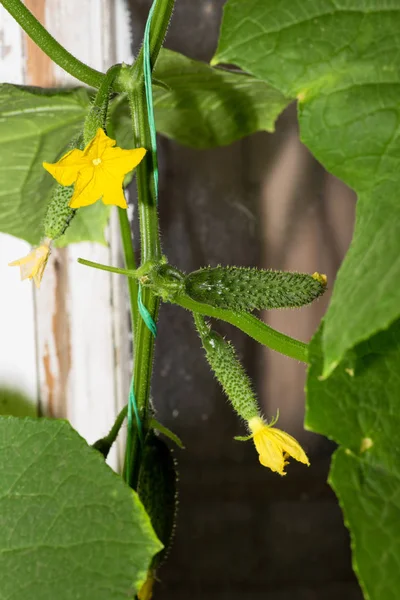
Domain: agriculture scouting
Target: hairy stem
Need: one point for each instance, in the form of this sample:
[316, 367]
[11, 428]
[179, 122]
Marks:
[104, 444]
[253, 327]
[159, 25]
[130, 264]
[50, 46]
[149, 233]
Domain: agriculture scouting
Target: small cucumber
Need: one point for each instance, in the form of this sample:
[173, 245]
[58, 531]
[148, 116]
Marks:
[248, 289]
[157, 489]
[58, 213]
[222, 358]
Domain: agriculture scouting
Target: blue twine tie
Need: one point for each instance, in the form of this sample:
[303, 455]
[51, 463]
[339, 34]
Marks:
[149, 97]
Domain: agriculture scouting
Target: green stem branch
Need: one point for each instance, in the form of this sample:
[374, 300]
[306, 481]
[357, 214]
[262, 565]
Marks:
[101, 267]
[50, 46]
[159, 26]
[149, 233]
[253, 327]
[130, 264]
[104, 444]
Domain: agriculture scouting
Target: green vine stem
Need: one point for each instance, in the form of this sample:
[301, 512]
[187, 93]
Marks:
[159, 26]
[130, 263]
[254, 328]
[50, 46]
[104, 444]
[149, 229]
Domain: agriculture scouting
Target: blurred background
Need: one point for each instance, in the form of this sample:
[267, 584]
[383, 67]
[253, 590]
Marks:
[242, 531]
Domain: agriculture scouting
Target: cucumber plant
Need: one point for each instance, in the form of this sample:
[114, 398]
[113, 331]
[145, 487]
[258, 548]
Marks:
[337, 59]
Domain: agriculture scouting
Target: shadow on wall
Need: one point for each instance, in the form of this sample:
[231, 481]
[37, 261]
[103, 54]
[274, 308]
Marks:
[242, 531]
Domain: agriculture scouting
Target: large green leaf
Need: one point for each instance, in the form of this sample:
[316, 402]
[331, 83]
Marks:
[35, 125]
[359, 408]
[70, 527]
[206, 107]
[340, 59]
[203, 107]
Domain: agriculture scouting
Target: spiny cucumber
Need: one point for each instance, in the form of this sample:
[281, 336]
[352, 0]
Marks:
[222, 358]
[157, 490]
[58, 213]
[247, 289]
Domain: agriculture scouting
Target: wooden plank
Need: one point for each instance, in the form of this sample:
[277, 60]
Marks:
[87, 342]
[17, 324]
[82, 321]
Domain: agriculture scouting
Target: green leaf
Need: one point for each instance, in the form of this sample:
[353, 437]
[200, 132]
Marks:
[167, 432]
[70, 527]
[340, 59]
[16, 403]
[204, 107]
[35, 125]
[362, 414]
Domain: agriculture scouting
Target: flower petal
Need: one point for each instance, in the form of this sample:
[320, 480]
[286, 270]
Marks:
[117, 198]
[120, 162]
[111, 185]
[289, 445]
[98, 145]
[34, 264]
[88, 188]
[66, 170]
[270, 453]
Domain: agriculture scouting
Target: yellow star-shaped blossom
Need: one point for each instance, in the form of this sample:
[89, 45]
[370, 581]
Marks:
[98, 171]
[33, 265]
[275, 446]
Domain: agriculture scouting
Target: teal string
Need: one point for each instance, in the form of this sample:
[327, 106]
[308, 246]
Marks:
[144, 313]
[149, 97]
[146, 316]
[132, 410]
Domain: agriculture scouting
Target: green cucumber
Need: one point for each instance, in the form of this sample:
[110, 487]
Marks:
[58, 213]
[248, 289]
[157, 489]
[228, 370]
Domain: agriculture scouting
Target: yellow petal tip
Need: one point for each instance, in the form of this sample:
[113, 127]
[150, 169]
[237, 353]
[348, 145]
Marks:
[321, 278]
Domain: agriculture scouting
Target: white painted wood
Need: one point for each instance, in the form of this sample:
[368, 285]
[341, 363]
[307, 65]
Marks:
[11, 49]
[96, 307]
[82, 363]
[17, 325]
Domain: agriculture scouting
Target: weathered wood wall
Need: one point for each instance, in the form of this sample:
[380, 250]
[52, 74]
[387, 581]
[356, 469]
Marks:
[67, 345]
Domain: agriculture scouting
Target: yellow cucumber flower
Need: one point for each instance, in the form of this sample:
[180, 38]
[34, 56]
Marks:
[275, 446]
[98, 171]
[33, 265]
